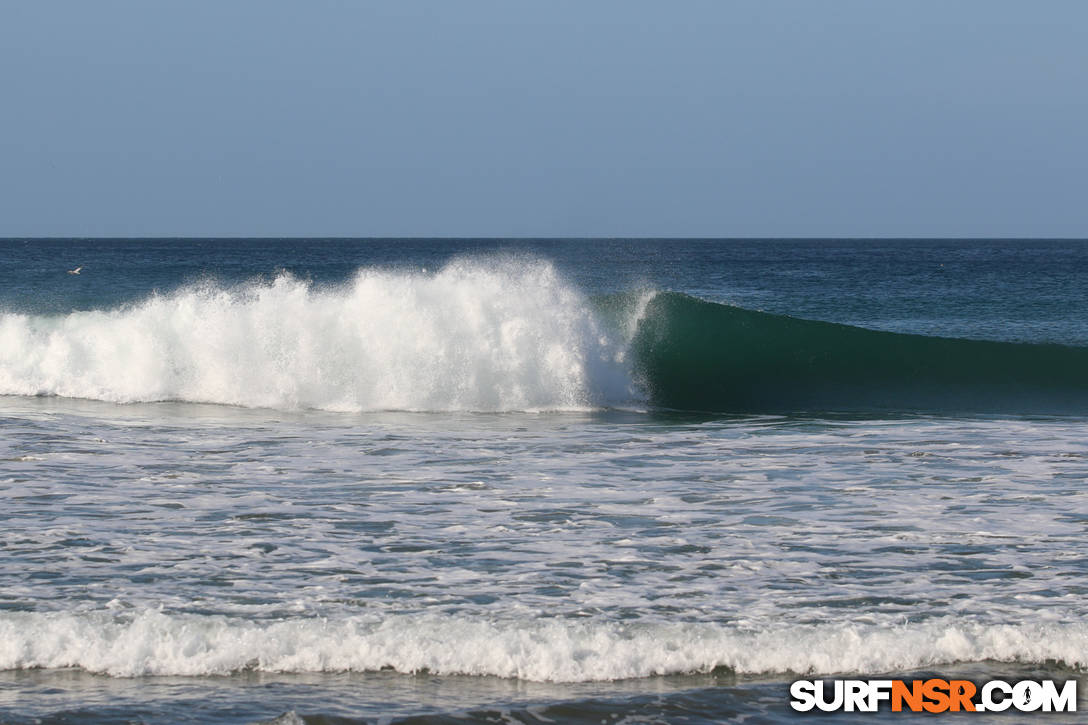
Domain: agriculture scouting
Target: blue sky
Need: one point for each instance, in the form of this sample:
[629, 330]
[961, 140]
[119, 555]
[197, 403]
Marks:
[557, 118]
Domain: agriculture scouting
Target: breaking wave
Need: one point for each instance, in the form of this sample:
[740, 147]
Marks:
[512, 334]
[499, 336]
[691, 354]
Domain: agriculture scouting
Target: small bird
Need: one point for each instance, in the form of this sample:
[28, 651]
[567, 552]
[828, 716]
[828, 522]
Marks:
[75, 271]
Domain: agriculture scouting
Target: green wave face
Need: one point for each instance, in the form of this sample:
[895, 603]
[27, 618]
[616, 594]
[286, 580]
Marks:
[695, 355]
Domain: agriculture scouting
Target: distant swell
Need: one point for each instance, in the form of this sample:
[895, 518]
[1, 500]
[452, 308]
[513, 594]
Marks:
[505, 335]
[150, 642]
[511, 334]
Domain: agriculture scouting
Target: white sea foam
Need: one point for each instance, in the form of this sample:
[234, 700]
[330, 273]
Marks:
[151, 642]
[484, 335]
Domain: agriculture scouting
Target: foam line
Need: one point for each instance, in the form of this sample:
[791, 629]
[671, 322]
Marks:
[150, 642]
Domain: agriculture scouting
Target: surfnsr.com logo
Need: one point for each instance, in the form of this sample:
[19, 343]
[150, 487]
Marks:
[933, 695]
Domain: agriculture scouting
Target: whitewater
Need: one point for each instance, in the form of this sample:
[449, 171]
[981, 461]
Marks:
[505, 335]
[435, 481]
[150, 642]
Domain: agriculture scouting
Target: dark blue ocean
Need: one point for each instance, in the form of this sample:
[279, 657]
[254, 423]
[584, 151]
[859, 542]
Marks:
[436, 481]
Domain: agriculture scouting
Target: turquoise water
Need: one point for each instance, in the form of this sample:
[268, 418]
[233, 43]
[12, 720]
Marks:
[446, 481]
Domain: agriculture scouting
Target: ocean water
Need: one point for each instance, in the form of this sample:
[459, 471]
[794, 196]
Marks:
[438, 481]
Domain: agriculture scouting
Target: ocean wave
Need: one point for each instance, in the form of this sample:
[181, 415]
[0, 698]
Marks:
[151, 642]
[510, 334]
